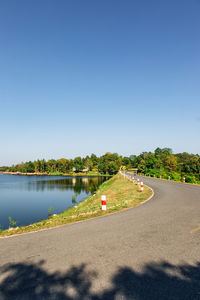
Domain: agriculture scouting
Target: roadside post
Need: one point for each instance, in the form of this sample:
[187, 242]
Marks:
[103, 202]
[183, 179]
[138, 181]
[168, 177]
[142, 186]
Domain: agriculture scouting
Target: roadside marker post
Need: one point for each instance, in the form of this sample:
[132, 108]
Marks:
[142, 186]
[103, 202]
[138, 181]
[183, 179]
[168, 177]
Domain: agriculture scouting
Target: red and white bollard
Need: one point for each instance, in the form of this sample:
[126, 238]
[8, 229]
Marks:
[138, 181]
[183, 179]
[103, 202]
[142, 186]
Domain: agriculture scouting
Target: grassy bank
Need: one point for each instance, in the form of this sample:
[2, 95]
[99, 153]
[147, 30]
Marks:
[120, 194]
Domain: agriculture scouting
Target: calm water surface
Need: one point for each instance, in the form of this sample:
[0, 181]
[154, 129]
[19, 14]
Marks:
[26, 199]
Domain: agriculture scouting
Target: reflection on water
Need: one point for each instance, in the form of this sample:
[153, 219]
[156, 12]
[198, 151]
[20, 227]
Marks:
[88, 185]
[27, 199]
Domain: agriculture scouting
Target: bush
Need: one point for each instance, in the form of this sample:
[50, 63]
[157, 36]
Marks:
[175, 176]
[190, 179]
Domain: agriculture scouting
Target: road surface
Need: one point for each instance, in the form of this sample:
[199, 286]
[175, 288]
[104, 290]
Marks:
[148, 252]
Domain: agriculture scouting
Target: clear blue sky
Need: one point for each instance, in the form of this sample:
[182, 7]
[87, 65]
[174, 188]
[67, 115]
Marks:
[82, 77]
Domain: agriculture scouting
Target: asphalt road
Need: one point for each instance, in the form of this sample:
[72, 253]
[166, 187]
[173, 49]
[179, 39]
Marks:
[148, 252]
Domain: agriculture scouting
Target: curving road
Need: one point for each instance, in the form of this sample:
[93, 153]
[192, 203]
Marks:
[148, 252]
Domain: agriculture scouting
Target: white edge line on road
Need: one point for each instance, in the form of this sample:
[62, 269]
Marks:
[149, 197]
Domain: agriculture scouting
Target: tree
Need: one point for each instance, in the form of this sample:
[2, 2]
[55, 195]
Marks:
[142, 166]
[94, 160]
[29, 167]
[109, 163]
[78, 164]
[126, 161]
[158, 151]
[43, 166]
[113, 168]
[52, 165]
[170, 163]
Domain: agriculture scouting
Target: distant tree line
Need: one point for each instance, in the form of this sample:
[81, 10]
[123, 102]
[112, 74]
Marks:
[2, 169]
[161, 162]
[164, 163]
[109, 163]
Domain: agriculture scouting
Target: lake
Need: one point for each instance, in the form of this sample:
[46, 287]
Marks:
[27, 199]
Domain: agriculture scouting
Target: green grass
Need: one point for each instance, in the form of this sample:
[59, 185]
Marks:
[120, 194]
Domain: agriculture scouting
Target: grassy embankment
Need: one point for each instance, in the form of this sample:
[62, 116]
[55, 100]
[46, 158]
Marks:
[120, 194]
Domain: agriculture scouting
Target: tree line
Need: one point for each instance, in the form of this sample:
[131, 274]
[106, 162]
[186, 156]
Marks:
[161, 162]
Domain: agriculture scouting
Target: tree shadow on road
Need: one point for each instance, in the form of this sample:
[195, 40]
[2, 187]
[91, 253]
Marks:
[32, 281]
[156, 281]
